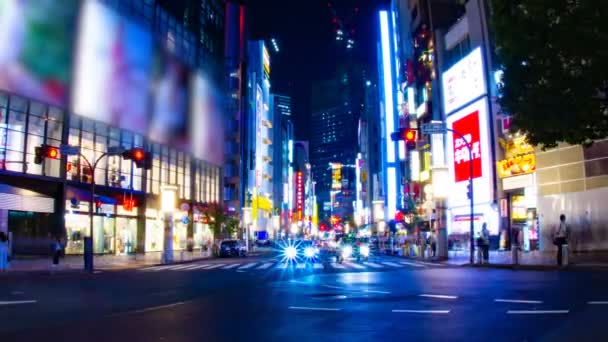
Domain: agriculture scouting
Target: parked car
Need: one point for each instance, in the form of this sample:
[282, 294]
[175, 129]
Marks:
[229, 248]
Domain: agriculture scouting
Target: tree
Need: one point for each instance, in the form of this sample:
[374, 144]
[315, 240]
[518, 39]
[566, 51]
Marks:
[220, 222]
[554, 54]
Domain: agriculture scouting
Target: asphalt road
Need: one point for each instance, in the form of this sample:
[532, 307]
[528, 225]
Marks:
[390, 301]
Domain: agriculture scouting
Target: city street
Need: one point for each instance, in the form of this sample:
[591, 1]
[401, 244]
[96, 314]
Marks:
[261, 298]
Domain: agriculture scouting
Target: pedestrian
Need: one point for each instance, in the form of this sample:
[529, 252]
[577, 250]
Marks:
[56, 249]
[560, 237]
[485, 236]
[4, 262]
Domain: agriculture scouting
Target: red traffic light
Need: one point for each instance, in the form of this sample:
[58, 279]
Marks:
[52, 152]
[409, 135]
[138, 154]
[45, 151]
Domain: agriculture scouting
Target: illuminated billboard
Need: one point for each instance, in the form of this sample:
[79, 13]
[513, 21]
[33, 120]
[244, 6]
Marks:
[266, 60]
[464, 82]
[336, 176]
[169, 122]
[112, 69]
[36, 47]
[472, 123]
[206, 128]
[299, 195]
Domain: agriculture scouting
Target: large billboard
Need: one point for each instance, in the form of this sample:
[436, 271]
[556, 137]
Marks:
[36, 48]
[112, 70]
[206, 126]
[169, 123]
[464, 82]
[472, 123]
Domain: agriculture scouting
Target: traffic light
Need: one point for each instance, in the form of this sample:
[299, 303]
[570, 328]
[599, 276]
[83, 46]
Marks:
[139, 156]
[45, 151]
[98, 206]
[409, 136]
[469, 192]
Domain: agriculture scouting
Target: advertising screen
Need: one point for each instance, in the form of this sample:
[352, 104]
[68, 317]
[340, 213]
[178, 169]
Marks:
[169, 123]
[36, 47]
[463, 82]
[472, 123]
[113, 60]
[206, 129]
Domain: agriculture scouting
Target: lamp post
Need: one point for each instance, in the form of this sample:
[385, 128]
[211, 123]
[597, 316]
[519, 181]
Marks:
[441, 186]
[168, 203]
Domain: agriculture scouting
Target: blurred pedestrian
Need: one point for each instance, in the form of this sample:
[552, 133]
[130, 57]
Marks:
[485, 237]
[4, 262]
[560, 237]
[56, 249]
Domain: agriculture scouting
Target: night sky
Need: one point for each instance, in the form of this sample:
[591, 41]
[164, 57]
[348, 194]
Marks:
[305, 32]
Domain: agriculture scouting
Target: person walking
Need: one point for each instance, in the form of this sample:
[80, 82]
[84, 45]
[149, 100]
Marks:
[56, 249]
[4, 251]
[560, 237]
[485, 237]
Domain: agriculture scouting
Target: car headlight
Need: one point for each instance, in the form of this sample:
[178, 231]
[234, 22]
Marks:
[364, 250]
[309, 252]
[291, 252]
[347, 251]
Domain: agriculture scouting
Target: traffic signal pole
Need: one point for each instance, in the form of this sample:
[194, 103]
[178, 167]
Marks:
[471, 200]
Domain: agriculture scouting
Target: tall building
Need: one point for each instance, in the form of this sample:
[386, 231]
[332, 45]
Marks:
[258, 140]
[337, 105]
[283, 157]
[138, 57]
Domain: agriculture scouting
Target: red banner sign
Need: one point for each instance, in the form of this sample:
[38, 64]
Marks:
[468, 126]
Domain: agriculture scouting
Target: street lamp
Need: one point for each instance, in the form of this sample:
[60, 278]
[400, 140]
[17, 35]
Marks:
[168, 202]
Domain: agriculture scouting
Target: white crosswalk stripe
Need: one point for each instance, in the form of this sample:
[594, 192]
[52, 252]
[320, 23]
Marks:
[244, 267]
[191, 267]
[200, 266]
[283, 266]
[340, 266]
[318, 266]
[301, 266]
[265, 266]
[215, 266]
[230, 266]
[389, 263]
[373, 264]
[153, 268]
[178, 267]
[411, 264]
[353, 265]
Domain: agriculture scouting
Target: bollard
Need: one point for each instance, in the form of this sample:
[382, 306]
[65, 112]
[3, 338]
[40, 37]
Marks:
[515, 254]
[564, 255]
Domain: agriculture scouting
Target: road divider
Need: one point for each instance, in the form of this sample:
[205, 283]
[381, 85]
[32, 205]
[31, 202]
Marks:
[439, 312]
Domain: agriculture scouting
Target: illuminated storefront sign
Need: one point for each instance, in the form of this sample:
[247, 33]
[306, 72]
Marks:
[519, 158]
[266, 61]
[336, 176]
[464, 81]
[472, 123]
[299, 195]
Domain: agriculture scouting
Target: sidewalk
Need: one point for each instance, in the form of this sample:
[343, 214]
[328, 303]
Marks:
[100, 262]
[533, 259]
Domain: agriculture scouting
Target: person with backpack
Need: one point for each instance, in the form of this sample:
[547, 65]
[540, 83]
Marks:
[560, 237]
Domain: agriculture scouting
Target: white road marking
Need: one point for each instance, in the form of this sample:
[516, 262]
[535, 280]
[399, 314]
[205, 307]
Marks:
[431, 263]
[301, 266]
[597, 302]
[340, 266]
[97, 272]
[438, 296]
[179, 267]
[17, 302]
[230, 266]
[357, 266]
[334, 287]
[388, 263]
[265, 266]
[283, 266]
[318, 266]
[443, 312]
[518, 301]
[536, 312]
[375, 291]
[411, 264]
[199, 266]
[372, 264]
[16, 293]
[154, 308]
[244, 267]
[153, 268]
[313, 308]
[214, 266]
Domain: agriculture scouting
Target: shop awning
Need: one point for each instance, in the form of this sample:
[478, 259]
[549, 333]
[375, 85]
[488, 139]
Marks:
[13, 198]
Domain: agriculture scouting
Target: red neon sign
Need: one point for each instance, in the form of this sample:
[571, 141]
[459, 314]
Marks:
[468, 126]
[299, 194]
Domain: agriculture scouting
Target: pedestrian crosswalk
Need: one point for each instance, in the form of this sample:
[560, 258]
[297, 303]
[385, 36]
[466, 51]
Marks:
[295, 266]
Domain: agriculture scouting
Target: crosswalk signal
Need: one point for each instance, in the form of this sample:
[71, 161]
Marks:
[45, 151]
[469, 192]
[139, 156]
